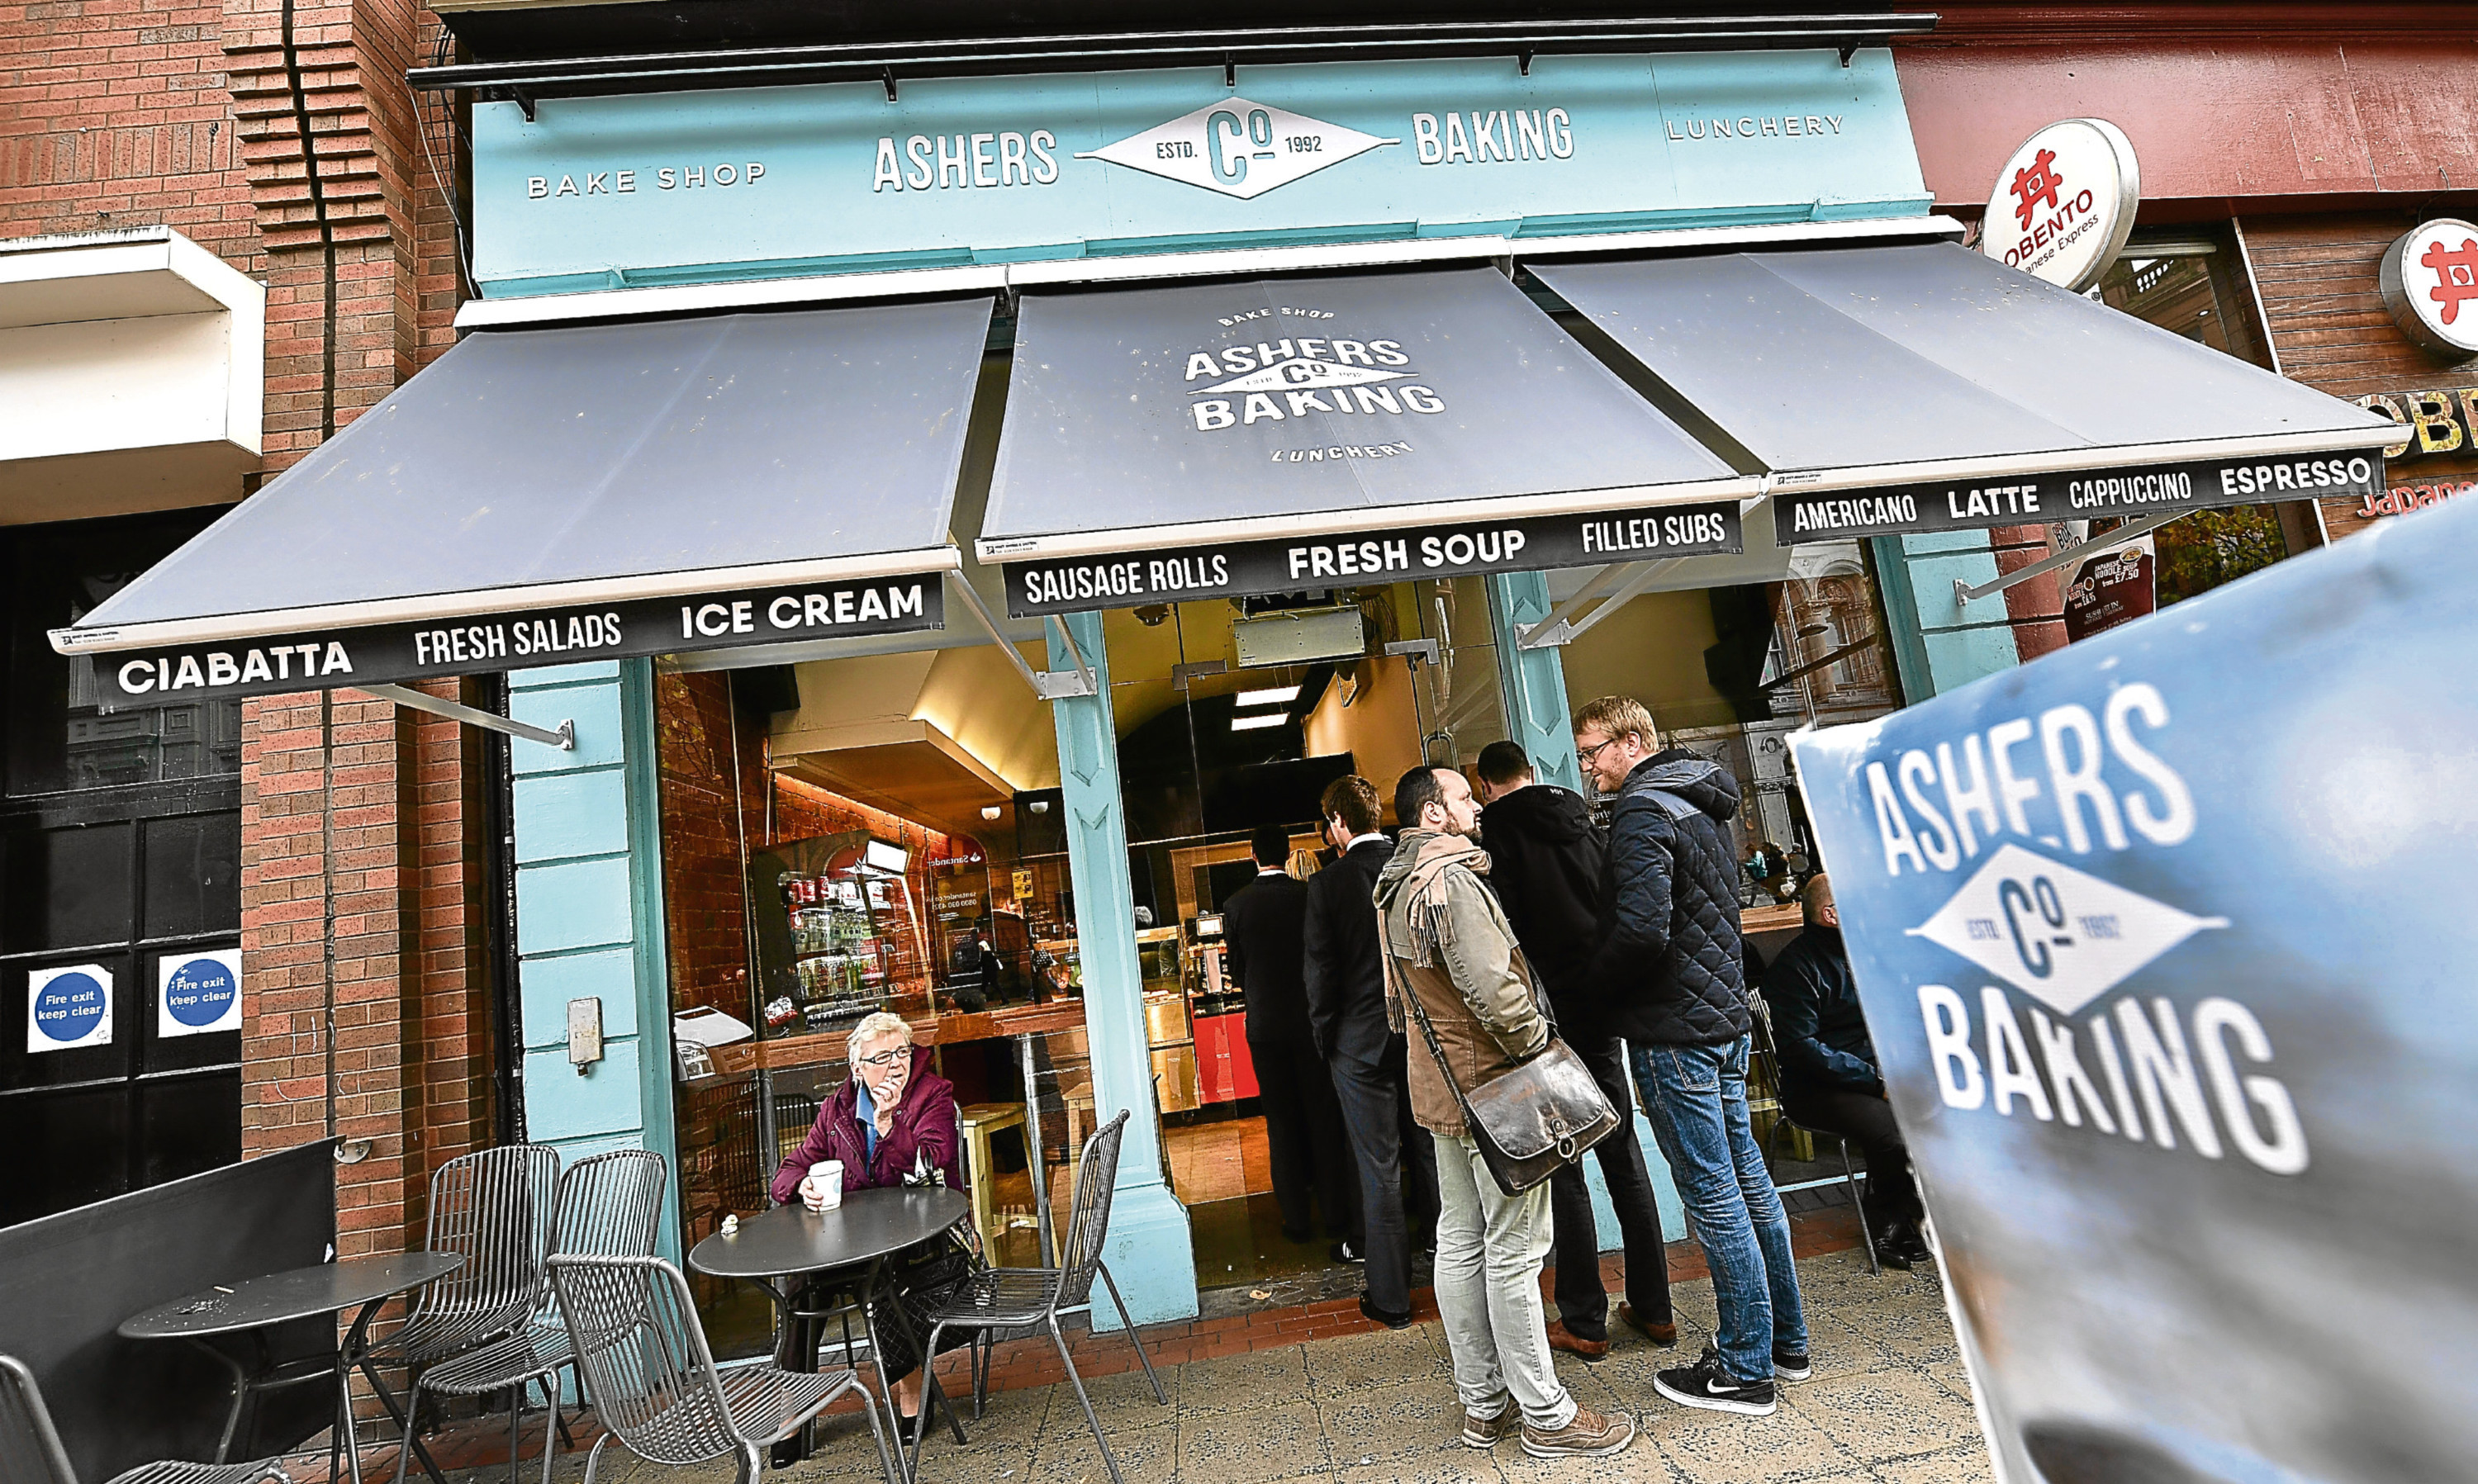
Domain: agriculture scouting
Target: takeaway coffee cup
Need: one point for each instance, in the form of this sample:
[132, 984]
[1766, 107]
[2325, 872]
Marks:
[826, 1180]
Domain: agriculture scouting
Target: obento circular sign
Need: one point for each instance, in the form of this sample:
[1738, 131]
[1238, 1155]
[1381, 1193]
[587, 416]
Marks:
[2430, 279]
[2064, 203]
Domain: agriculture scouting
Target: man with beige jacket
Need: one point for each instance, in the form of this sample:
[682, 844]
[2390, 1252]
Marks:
[1447, 941]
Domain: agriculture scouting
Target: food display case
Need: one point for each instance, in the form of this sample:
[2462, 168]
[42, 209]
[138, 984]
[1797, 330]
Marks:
[1161, 962]
[838, 934]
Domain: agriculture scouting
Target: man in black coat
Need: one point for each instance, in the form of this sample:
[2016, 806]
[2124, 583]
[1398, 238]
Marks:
[1346, 994]
[1828, 1069]
[1263, 923]
[1546, 858]
[1672, 961]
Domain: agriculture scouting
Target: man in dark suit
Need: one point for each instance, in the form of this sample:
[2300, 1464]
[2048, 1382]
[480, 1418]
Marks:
[1345, 996]
[1263, 923]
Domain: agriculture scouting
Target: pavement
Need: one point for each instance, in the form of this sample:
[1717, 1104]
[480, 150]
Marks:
[1889, 1404]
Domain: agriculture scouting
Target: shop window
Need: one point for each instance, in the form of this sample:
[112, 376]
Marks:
[2195, 288]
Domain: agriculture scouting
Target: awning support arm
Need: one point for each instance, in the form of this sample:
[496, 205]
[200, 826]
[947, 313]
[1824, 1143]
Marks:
[1964, 592]
[1559, 631]
[565, 739]
[1555, 630]
[1047, 685]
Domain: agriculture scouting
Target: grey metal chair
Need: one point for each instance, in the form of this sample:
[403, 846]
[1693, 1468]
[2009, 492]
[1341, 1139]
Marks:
[1014, 1298]
[653, 1379]
[31, 1450]
[608, 1206]
[1770, 1054]
[492, 1208]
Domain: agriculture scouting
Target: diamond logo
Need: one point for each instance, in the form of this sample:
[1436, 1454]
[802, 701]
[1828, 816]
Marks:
[1290, 375]
[1238, 148]
[2063, 935]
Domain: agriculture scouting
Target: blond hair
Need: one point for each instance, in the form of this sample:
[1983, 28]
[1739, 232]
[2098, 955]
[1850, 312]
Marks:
[1618, 716]
[875, 1025]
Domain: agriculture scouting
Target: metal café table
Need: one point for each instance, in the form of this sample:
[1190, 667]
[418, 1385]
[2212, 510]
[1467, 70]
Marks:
[850, 1247]
[303, 1293]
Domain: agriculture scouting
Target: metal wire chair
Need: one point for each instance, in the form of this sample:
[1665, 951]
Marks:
[995, 1298]
[608, 1207]
[492, 1208]
[31, 1450]
[1770, 1054]
[653, 1379]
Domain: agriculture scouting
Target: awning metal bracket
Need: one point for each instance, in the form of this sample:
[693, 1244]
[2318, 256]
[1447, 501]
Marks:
[1964, 592]
[1562, 627]
[1415, 650]
[1047, 685]
[565, 739]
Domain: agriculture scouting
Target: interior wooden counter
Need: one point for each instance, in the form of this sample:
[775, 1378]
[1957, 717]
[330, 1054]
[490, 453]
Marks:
[953, 1028]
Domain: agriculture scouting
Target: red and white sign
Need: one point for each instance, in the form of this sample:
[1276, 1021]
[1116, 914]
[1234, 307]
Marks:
[2064, 203]
[2111, 589]
[2430, 280]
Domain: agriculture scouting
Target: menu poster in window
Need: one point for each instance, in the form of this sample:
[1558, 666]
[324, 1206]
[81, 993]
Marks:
[960, 901]
[197, 994]
[2117, 586]
[68, 1007]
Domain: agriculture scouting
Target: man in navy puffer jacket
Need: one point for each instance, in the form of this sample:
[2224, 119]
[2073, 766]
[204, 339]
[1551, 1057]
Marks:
[1671, 961]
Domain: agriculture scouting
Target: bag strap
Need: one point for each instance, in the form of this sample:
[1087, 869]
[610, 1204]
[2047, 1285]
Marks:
[1395, 985]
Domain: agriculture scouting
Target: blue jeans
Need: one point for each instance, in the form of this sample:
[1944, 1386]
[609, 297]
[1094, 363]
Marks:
[1695, 1097]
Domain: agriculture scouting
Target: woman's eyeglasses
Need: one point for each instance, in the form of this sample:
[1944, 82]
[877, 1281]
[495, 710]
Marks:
[883, 1059]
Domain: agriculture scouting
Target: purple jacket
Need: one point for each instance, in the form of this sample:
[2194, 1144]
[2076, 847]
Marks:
[923, 1132]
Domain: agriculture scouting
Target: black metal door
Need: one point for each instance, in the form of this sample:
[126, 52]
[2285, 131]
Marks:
[119, 865]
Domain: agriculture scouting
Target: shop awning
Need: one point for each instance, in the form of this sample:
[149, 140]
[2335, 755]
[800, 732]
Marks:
[1925, 388]
[545, 496]
[1271, 436]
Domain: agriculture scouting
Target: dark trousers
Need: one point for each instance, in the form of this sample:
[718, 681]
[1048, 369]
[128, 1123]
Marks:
[1398, 1173]
[1866, 1120]
[1581, 1302]
[1303, 1137]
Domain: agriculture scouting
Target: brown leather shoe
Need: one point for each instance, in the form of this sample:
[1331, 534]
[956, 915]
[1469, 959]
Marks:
[1560, 1338]
[1662, 1335]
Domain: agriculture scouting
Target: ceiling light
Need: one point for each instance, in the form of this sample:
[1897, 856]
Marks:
[1270, 695]
[1258, 723]
[991, 811]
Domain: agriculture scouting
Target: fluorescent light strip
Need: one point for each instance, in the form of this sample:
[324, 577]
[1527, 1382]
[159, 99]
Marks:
[1258, 723]
[1270, 695]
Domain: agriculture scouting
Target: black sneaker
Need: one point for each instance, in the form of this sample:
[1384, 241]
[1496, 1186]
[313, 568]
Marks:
[1791, 1366]
[1368, 1308]
[1707, 1385]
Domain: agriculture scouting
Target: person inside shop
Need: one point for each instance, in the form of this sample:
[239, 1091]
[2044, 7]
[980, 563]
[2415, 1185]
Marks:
[1671, 960]
[1830, 1079]
[1546, 857]
[1457, 975]
[1345, 983]
[1264, 922]
[892, 1123]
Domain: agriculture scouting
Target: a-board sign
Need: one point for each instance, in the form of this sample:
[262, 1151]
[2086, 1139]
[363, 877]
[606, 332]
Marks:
[2163, 944]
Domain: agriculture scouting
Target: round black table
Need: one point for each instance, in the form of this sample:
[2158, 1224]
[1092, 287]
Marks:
[365, 1283]
[848, 1246]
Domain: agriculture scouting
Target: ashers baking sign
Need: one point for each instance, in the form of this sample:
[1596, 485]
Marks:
[839, 177]
[328, 659]
[1209, 569]
[2086, 494]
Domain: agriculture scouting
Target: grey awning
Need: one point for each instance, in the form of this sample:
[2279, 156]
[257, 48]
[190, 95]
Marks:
[1213, 440]
[547, 495]
[1919, 386]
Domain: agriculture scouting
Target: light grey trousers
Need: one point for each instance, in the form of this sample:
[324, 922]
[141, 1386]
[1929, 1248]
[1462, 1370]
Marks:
[1490, 1247]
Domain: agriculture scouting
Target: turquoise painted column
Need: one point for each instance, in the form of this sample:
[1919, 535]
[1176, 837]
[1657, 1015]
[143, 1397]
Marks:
[1150, 1252]
[1938, 644]
[1533, 684]
[589, 918]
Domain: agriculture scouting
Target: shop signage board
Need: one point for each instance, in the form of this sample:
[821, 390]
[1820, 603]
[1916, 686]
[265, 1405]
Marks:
[328, 659]
[2176, 1046]
[196, 993]
[2118, 586]
[612, 192]
[2064, 203]
[2429, 282]
[2082, 494]
[2438, 421]
[1210, 569]
[68, 1008]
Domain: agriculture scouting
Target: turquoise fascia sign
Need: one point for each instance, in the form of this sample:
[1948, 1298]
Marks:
[621, 192]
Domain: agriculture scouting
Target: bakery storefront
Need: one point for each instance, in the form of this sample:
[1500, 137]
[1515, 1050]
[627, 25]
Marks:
[928, 524]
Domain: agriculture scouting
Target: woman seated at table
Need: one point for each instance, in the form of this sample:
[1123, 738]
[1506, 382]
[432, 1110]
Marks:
[893, 1123]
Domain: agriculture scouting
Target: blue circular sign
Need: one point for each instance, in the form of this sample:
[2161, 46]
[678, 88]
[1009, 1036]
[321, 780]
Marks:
[69, 1007]
[200, 991]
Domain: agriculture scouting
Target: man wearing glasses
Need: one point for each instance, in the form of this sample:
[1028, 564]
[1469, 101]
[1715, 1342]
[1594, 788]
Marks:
[1671, 961]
